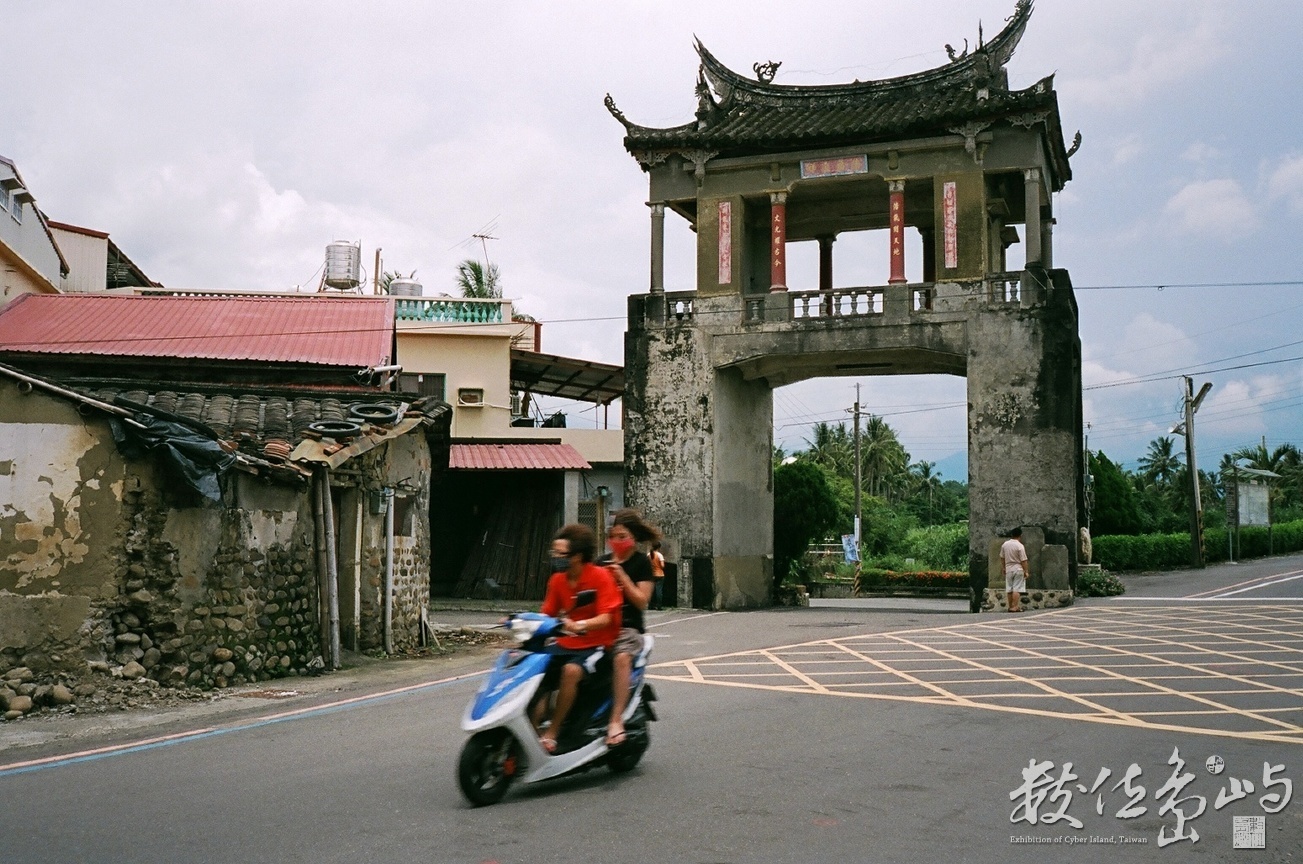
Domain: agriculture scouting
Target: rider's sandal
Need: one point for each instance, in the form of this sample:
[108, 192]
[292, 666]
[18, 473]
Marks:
[617, 739]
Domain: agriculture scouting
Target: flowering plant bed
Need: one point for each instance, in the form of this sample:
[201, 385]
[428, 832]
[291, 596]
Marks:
[914, 579]
[891, 583]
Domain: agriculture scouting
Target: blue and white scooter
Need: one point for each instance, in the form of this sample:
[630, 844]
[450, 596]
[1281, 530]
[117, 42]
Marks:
[504, 747]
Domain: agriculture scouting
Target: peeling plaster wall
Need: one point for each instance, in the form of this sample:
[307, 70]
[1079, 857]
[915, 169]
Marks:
[60, 490]
[98, 561]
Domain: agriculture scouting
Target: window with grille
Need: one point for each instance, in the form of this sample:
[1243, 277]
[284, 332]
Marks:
[590, 515]
[423, 384]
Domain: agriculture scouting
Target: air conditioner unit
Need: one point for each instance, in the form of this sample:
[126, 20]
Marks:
[517, 404]
[470, 397]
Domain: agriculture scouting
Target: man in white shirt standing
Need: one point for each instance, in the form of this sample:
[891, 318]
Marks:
[1014, 556]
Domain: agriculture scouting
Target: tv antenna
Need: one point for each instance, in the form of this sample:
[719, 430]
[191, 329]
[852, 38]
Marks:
[484, 235]
[484, 238]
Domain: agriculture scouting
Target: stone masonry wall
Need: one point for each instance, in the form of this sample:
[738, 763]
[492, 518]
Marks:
[249, 614]
[102, 569]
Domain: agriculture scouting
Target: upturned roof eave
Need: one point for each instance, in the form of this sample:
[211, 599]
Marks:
[999, 50]
[736, 91]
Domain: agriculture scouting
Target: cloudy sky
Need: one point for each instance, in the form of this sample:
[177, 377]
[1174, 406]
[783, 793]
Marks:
[223, 144]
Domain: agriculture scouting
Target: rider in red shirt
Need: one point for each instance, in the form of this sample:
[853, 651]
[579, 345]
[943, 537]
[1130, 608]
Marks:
[594, 625]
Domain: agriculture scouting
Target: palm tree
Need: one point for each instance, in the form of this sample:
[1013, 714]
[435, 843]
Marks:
[1160, 464]
[477, 281]
[832, 448]
[926, 480]
[881, 455]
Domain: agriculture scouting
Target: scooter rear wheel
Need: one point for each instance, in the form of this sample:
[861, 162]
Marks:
[489, 762]
[625, 756]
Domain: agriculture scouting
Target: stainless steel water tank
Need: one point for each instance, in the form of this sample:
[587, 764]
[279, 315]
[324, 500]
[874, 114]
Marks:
[405, 287]
[343, 264]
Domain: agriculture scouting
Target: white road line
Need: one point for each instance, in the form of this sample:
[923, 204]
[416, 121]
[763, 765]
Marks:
[1218, 599]
[689, 618]
[1256, 587]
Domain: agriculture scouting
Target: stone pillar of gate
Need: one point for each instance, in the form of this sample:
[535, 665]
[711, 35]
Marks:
[743, 445]
[669, 385]
[1024, 435]
[698, 454]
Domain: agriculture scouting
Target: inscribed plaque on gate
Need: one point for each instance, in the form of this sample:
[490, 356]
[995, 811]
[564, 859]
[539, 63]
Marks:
[839, 166]
[725, 242]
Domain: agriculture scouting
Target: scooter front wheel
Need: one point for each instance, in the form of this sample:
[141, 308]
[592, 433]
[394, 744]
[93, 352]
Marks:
[489, 762]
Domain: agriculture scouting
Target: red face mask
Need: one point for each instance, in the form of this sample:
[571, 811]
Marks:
[621, 548]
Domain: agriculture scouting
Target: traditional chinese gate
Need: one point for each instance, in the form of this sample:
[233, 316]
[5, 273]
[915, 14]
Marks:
[952, 152]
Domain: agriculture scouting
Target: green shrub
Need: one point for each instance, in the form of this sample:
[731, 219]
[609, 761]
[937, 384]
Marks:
[1099, 584]
[1163, 551]
[941, 547]
[1142, 552]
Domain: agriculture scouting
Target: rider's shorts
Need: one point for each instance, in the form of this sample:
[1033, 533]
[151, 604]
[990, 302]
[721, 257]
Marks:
[587, 659]
[630, 642]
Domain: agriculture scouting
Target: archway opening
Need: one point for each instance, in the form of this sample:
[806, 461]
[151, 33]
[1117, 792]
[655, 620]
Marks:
[913, 471]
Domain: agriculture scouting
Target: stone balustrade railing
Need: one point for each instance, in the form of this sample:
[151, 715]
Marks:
[837, 303]
[455, 310]
[857, 303]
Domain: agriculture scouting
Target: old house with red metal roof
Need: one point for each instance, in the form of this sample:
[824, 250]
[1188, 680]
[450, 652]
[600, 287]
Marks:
[209, 489]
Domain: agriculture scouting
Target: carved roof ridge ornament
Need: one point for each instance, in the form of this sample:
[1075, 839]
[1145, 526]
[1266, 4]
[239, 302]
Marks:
[1076, 144]
[707, 107]
[616, 112]
[766, 72]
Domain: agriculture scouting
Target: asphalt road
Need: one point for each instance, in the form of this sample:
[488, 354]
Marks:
[877, 731]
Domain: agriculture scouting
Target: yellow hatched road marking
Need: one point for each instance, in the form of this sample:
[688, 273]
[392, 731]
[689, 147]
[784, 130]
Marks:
[1193, 642]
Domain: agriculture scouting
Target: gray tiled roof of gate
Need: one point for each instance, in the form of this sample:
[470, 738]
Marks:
[825, 121]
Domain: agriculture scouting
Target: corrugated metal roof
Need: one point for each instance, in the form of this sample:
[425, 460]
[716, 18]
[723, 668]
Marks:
[567, 377]
[328, 331]
[553, 457]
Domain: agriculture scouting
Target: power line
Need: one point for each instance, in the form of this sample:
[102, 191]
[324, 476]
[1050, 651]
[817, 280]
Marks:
[1163, 286]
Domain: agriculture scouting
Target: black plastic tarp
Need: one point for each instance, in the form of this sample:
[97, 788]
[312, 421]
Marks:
[188, 457]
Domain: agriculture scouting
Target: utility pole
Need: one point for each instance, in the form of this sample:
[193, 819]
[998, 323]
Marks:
[1089, 479]
[855, 588]
[1196, 503]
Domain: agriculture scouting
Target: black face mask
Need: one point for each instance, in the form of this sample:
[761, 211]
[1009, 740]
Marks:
[560, 563]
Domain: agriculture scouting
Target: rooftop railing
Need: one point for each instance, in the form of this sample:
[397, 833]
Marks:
[454, 310]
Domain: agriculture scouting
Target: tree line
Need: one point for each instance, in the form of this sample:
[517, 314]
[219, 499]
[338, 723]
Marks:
[1155, 499]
